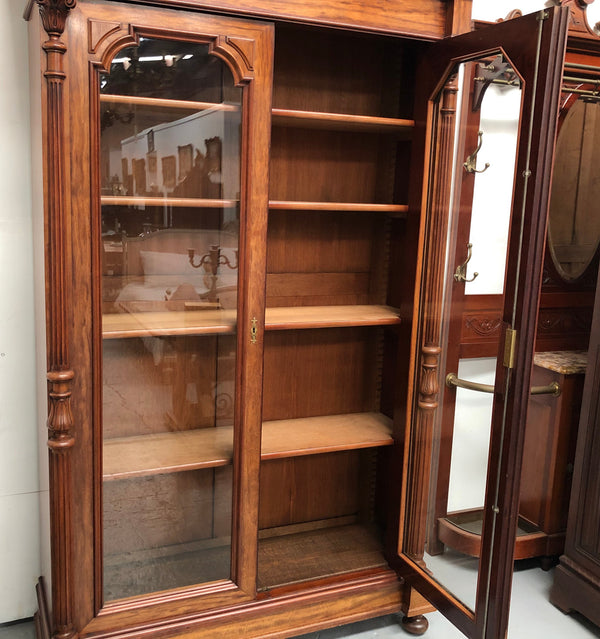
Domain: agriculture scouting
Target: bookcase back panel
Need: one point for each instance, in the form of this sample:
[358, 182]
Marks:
[320, 372]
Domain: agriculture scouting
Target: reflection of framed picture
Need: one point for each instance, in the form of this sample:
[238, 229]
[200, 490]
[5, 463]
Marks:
[185, 159]
[169, 171]
[139, 173]
[150, 141]
[152, 163]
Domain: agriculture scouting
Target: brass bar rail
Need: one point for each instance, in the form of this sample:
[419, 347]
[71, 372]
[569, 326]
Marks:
[452, 380]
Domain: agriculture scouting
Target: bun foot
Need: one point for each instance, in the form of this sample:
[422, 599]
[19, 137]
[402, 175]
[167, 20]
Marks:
[415, 625]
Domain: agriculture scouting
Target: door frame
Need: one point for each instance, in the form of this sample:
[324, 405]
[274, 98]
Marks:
[524, 268]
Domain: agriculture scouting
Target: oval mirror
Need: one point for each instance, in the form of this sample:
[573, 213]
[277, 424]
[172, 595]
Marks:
[574, 223]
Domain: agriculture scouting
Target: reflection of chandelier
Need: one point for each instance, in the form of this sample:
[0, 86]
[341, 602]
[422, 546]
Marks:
[213, 259]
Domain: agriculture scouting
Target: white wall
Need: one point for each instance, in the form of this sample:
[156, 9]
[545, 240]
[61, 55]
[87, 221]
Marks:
[488, 10]
[19, 496]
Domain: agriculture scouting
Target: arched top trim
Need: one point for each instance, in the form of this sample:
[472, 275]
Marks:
[106, 39]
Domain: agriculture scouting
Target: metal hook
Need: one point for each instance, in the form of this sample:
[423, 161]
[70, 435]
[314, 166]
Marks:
[471, 161]
[461, 269]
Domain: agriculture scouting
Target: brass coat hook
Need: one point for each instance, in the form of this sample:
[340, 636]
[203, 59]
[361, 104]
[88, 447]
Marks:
[461, 269]
[471, 161]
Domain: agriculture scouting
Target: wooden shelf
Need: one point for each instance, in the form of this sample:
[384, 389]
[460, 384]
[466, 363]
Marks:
[153, 454]
[342, 122]
[312, 435]
[211, 322]
[192, 202]
[350, 207]
[165, 323]
[462, 531]
[285, 317]
[145, 455]
[289, 559]
[164, 103]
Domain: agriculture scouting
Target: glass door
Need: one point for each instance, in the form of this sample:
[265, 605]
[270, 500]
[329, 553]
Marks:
[181, 205]
[170, 146]
[457, 542]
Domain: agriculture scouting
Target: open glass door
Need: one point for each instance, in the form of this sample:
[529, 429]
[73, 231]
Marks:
[461, 558]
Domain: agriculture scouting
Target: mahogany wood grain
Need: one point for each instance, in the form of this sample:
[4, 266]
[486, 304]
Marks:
[164, 323]
[155, 453]
[549, 451]
[62, 424]
[414, 19]
[130, 200]
[319, 372]
[577, 578]
[430, 347]
[102, 23]
[309, 488]
[165, 103]
[342, 121]
[316, 289]
[326, 166]
[316, 554]
[308, 607]
[132, 505]
[155, 324]
[505, 450]
[329, 317]
[368, 207]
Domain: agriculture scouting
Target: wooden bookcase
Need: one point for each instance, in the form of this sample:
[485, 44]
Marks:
[235, 223]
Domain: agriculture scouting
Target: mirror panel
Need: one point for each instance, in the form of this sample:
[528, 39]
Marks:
[574, 224]
[476, 122]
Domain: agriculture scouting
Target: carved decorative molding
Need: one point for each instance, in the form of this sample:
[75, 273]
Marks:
[578, 23]
[431, 313]
[515, 13]
[98, 31]
[54, 14]
[239, 55]
[564, 321]
[483, 326]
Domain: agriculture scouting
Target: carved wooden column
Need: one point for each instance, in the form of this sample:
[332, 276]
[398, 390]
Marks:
[60, 420]
[431, 309]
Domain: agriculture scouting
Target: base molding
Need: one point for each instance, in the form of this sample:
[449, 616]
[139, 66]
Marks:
[42, 616]
[275, 614]
[573, 589]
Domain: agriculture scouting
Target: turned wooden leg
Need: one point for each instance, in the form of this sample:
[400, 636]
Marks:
[548, 562]
[415, 625]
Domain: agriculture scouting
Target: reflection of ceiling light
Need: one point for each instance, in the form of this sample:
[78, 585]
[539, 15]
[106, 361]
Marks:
[169, 59]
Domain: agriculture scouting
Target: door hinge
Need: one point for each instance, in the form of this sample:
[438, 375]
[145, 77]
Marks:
[510, 345]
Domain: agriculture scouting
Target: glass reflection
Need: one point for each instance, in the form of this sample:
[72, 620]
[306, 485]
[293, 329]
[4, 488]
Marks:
[469, 218]
[170, 121]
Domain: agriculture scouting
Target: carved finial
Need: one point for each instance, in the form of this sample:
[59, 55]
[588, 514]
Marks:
[515, 13]
[54, 14]
[579, 23]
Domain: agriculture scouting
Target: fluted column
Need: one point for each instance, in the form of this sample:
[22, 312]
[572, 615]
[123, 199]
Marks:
[58, 285]
[431, 309]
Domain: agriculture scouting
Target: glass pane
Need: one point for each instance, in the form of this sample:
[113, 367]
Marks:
[170, 175]
[476, 123]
